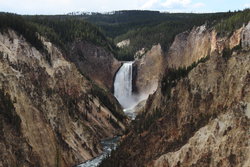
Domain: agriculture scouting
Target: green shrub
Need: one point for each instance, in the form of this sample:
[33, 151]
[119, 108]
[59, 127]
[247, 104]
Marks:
[144, 121]
[227, 52]
[172, 76]
[113, 122]
[1, 55]
[102, 95]
[124, 54]
[7, 110]
[21, 26]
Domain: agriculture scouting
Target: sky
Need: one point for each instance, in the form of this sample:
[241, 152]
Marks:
[67, 6]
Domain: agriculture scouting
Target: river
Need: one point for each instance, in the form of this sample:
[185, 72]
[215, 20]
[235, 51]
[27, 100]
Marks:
[108, 146]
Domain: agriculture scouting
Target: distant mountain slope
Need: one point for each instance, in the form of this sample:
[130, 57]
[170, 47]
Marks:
[119, 22]
[147, 28]
[143, 28]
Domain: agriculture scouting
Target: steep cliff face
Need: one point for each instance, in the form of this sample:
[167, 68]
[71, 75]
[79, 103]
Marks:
[95, 62]
[203, 119]
[50, 114]
[189, 47]
[224, 141]
[147, 71]
[213, 128]
[245, 36]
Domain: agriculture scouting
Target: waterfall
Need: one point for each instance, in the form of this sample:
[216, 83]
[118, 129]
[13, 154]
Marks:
[123, 86]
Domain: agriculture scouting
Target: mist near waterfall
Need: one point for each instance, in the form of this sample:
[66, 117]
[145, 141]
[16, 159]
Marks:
[123, 87]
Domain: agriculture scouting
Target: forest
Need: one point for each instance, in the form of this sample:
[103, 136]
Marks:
[227, 26]
[143, 28]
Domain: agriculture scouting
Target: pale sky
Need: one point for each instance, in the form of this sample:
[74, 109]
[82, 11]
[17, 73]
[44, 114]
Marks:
[66, 6]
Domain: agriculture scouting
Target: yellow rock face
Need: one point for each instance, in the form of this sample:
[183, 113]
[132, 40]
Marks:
[148, 70]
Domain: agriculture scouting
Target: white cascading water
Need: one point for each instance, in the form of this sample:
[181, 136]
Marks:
[123, 86]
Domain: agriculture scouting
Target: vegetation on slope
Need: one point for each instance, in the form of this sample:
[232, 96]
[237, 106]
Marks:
[143, 28]
[120, 22]
[61, 33]
[227, 26]
[164, 33]
[7, 112]
[63, 30]
[172, 76]
[21, 26]
[144, 36]
[68, 30]
[108, 101]
[169, 80]
[147, 28]
[58, 31]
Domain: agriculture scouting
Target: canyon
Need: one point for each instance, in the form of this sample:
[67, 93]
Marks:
[203, 119]
[187, 104]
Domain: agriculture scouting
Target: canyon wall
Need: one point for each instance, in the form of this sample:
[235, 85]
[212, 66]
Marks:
[189, 47]
[95, 62]
[147, 71]
[50, 114]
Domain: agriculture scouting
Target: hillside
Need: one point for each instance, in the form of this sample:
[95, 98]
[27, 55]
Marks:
[148, 28]
[163, 33]
[51, 114]
[143, 28]
[80, 42]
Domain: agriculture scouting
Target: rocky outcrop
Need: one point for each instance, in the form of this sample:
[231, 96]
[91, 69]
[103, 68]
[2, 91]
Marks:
[147, 71]
[203, 119]
[222, 138]
[94, 62]
[245, 36]
[123, 43]
[189, 47]
[140, 53]
[51, 115]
